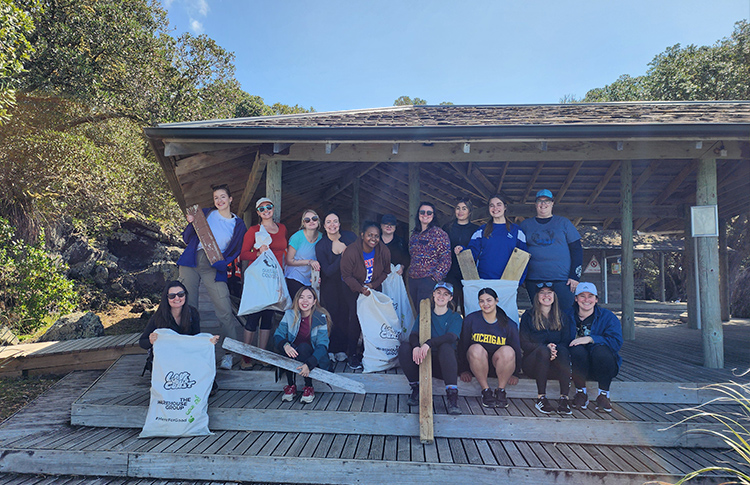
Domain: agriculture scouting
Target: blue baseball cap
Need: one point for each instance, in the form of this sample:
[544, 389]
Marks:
[443, 284]
[586, 287]
[544, 193]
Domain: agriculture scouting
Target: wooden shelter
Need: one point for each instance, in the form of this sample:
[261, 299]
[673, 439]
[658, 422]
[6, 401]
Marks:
[633, 166]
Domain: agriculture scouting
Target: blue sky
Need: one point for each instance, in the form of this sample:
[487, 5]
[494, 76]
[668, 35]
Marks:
[335, 55]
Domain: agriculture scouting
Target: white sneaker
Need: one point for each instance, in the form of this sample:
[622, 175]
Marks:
[331, 357]
[226, 362]
[341, 356]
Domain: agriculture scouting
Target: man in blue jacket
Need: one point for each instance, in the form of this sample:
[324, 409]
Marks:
[595, 344]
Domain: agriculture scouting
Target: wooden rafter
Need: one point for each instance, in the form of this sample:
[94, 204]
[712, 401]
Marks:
[502, 177]
[532, 181]
[646, 174]
[568, 180]
[200, 161]
[676, 182]
[349, 178]
[252, 181]
[471, 179]
[476, 172]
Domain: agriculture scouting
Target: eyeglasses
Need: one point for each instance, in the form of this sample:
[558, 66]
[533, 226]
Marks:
[543, 201]
[548, 284]
[179, 294]
[264, 208]
[308, 219]
[425, 213]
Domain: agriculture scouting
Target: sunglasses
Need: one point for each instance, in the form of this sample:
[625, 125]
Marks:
[308, 219]
[264, 208]
[425, 213]
[548, 284]
[179, 294]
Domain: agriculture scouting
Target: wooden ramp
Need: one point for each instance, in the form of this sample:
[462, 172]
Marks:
[347, 438]
[95, 353]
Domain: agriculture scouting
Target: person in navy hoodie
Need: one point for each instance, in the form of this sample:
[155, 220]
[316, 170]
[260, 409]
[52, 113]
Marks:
[493, 243]
[596, 339]
[228, 230]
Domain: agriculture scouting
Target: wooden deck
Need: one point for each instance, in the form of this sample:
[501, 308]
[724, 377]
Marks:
[88, 423]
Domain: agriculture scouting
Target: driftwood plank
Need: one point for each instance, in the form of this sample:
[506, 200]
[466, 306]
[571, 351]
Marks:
[206, 237]
[516, 265]
[292, 365]
[426, 427]
[467, 265]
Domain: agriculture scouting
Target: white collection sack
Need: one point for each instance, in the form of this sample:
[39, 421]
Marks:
[380, 331]
[393, 286]
[183, 372]
[264, 287]
[506, 290]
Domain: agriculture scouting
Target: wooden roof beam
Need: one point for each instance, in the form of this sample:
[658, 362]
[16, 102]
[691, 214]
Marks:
[502, 177]
[676, 182]
[204, 160]
[532, 181]
[252, 181]
[471, 179]
[348, 179]
[568, 180]
[646, 174]
[476, 172]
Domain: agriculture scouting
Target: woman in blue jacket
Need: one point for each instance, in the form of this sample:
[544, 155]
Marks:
[493, 244]
[303, 335]
[594, 349]
[545, 336]
[228, 230]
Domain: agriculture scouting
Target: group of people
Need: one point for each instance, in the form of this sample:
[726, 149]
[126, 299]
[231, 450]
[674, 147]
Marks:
[564, 336]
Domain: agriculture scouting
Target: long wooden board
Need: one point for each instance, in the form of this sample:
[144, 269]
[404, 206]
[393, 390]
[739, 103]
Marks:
[426, 427]
[468, 265]
[292, 365]
[516, 265]
[206, 237]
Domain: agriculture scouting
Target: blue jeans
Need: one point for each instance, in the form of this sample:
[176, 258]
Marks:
[564, 295]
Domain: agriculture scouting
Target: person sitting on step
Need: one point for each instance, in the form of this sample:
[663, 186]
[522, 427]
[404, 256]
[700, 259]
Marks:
[444, 331]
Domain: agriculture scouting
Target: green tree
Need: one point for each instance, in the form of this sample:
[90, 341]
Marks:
[406, 101]
[15, 48]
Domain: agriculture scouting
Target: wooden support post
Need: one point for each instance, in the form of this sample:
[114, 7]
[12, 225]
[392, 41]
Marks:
[426, 428]
[662, 278]
[414, 197]
[688, 263]
[273, 186]
[273, 358]
[628, 283]
[723, 271]
[356, 226]
[708, 273]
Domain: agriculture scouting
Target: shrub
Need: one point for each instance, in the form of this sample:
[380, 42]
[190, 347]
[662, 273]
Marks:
[32, 283]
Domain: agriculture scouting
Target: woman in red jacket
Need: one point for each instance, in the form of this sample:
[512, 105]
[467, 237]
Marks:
[364, 266]
[264, 207]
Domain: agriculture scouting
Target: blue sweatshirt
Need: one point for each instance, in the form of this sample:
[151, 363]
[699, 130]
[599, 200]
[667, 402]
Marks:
[605, 330]
[492, 255]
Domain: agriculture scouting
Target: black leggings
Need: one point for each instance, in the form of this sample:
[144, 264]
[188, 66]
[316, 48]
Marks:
[351, 327]
[593, 361]
[444, 365]
[538, 366]
[304, 351]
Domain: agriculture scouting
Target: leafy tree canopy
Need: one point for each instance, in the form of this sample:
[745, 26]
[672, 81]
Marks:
[717, 72]
[406, 101]
[14, 49]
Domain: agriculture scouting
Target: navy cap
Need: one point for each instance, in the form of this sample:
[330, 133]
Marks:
[388, 219]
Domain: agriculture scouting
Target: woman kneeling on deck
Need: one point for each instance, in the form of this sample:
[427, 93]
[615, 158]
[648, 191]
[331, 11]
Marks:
[594, 351]
[545, 335]
[303, 335]
[490, 345]
[445, 329]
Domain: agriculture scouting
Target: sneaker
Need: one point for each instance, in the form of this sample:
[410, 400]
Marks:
[226, 362]
[340, 357]
[563, 405]
[501, 400]
[488, 398]
[543, 405]
[603, 404]
[354, 363]
[308, 394]
[246, 363]
[452, 398]
[331, 357]
[414, 397]
[581, 400]
[289, 393]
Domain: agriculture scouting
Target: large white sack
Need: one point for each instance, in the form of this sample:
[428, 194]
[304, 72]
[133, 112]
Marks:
[506, 293]
[394, 287]
[264, 287]
[183, 372]
[380, 331]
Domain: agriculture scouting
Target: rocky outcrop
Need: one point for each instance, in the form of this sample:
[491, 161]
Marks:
[74, 326]
[134, 261]
[739, 305]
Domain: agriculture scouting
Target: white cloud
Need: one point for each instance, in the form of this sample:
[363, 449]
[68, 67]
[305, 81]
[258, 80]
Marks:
[201, 6]
[196, 26]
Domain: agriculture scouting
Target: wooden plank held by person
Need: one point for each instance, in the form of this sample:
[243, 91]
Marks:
[516, 265]
[468, 265]
[205, 236]
[336, 380]
[426, 427]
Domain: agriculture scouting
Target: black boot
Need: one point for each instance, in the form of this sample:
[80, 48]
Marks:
[452, 397]
[414, 397]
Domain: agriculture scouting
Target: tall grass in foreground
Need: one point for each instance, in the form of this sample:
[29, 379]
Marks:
[735, 428]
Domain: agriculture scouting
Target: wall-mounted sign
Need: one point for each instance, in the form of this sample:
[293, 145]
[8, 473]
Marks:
[704, 221]
[593, 266]
[616, 268]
